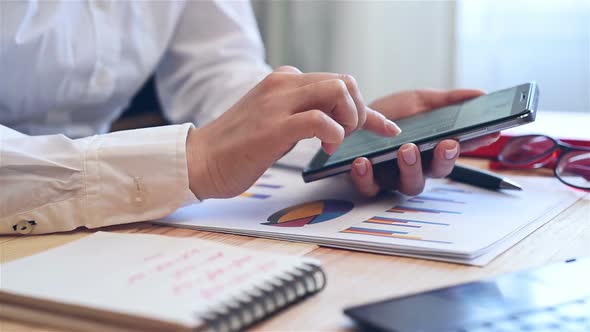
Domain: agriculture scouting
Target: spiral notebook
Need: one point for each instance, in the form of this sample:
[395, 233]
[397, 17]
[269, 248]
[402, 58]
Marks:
[124, 282]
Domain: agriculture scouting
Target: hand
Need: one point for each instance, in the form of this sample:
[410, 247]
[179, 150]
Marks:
[408, 174]
[227, 156]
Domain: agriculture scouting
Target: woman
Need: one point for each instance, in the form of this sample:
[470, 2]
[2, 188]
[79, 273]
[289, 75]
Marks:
[68, 69]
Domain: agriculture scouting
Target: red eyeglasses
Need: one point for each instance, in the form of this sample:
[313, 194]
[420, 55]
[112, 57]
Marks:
[571, 164]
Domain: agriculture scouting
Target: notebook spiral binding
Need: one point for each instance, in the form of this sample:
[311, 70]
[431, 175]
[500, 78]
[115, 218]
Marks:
[251, 307]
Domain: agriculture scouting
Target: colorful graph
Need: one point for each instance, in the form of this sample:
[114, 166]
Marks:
[424, 207]
[261, 185]
[268, 185]
[422, 199]
[254, 195]
[387, 233]
[402, 222]
[450, 189]
[309, 213]
[412, 209]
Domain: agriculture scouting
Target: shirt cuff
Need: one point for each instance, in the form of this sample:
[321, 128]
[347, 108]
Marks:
[137, 175]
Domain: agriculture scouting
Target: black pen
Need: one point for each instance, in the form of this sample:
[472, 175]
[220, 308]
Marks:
[481, 178]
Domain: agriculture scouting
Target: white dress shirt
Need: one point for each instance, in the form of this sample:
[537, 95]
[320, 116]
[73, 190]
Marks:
[69, 68]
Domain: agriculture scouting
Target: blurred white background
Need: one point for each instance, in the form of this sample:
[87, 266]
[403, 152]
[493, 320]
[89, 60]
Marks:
[396, 45]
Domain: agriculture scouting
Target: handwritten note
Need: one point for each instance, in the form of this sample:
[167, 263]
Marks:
[161, 277]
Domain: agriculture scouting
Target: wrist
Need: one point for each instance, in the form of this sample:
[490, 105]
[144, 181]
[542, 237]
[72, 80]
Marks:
[196, 159]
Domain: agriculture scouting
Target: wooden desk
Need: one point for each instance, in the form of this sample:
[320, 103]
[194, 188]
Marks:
[356, 277]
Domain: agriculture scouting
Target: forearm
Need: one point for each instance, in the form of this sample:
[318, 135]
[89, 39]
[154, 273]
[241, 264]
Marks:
[61, 184]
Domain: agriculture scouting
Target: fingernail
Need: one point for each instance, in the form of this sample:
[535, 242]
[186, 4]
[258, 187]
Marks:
[393, 128]
[451, 153]
[409, 156]
[360, 167]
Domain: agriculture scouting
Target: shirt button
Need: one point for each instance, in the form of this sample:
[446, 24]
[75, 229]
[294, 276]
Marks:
[103, 79]
[138, 197]
[24, 227]
[103, 5]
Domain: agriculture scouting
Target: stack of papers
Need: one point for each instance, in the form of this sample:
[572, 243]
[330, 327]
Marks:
[449, 221]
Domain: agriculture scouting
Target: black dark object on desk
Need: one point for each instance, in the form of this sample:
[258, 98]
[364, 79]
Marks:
[553, 298]
[481, 178]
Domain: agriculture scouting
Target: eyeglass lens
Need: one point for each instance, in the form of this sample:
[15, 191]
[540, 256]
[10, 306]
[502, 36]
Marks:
[574, 168]
[525, 150]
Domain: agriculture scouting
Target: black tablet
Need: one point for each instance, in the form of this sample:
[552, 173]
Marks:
[466, 120]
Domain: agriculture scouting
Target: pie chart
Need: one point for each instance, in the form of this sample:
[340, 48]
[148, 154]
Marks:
[309, 213]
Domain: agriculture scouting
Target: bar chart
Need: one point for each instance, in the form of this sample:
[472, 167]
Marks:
[408, 219]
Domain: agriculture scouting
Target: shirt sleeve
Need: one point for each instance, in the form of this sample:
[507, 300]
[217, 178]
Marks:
[215, 56]
[53, 183]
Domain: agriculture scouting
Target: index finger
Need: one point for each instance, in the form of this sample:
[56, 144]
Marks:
[351, 85]
[380, 125]
[331, 97]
